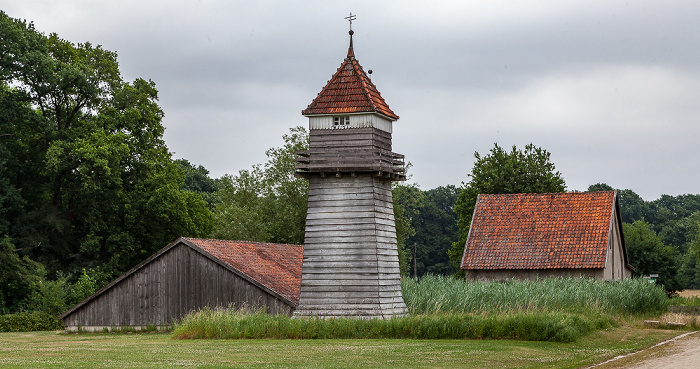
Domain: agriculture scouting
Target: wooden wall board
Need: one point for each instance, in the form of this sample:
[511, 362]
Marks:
[350, 265]
[168, 287]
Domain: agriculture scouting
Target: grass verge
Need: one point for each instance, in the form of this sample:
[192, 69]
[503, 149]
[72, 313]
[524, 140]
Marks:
[157, 350]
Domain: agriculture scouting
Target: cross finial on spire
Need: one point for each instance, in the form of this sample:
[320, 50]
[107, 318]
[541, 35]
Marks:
[350, 19]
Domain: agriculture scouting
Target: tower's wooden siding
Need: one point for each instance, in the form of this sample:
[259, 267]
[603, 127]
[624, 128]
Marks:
[350, 265]
[356, 121]
[350, 150]
[166, 288]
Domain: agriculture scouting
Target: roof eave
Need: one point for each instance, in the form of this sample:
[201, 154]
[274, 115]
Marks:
[387, 117]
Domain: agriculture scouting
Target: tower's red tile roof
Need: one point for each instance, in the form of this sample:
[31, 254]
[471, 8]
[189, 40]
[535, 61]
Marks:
[349, 91]
[540, 231]
[276, 266]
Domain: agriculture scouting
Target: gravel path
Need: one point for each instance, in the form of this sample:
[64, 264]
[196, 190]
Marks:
[682, 351]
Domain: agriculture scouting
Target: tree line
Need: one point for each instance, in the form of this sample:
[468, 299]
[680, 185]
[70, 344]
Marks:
[88, 188]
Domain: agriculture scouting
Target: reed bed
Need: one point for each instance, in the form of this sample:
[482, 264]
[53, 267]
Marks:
[558, 309]
[438, 294]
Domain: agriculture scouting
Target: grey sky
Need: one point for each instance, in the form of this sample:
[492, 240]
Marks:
[610, 88]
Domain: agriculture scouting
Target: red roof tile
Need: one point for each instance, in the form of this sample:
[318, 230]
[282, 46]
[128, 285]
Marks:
[276, 266]
[540, 231]
[349, 91]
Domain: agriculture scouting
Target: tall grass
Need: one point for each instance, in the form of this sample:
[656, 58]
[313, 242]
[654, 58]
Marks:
[441, 307]
[531, 326]
[438, 294]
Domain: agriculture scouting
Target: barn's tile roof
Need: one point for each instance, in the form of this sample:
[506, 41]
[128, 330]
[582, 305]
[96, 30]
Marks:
[349, 91]
[276, 266]
[540, 231]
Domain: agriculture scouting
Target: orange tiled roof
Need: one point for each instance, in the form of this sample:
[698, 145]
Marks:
[540, 231]
[276, 266]
[349, 91]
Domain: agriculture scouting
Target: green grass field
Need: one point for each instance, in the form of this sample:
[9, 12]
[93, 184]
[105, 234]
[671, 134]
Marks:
[60, 350]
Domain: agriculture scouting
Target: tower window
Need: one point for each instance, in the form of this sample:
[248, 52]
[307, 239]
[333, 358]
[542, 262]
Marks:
[341, 121]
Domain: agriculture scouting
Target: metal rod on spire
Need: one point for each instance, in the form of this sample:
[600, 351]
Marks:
[350, 19]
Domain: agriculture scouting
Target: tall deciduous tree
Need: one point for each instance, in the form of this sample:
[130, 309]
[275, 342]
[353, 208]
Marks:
[435, 231]
[499, 172]
[648, 255]
[266, 203]
[408, 201]
[97, 186]
[690, 270]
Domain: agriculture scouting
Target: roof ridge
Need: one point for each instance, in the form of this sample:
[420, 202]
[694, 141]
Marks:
[241, 241]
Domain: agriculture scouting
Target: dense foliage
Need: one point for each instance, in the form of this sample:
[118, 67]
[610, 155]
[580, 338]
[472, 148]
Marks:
[86, 181]
[502, 172]
[266, 203]
[28, 322]
[431, 224]
[662, 236]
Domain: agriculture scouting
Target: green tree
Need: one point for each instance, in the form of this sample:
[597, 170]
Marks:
[690, 271]
[267, 203]
[88, 176]
[18, 277]
[408, 201]
[197, 180]
[632, 206]
[436, 231]
[502, 172]
[648, 255]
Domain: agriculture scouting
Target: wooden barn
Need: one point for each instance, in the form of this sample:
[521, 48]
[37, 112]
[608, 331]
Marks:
[530, 236]
[190, 274]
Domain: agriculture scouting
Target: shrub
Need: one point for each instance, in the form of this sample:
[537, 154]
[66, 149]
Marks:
[27, 322]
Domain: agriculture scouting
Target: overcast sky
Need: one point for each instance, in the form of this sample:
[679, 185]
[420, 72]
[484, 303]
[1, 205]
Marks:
[610, 88]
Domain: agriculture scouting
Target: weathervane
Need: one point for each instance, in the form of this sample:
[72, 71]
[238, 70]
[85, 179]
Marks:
[350, 19]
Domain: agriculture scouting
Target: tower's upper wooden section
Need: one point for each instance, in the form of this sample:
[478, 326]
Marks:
[349, 91]
[350, 128]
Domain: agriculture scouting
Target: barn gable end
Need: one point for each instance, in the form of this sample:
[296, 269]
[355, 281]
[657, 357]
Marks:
[180, 278]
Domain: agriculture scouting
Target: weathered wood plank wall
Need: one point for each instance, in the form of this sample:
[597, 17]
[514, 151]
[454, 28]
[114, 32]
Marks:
[350, 150]
[350, 265]
[166, 289]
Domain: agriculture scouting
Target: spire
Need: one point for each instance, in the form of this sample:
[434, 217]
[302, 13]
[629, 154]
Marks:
[350, 90]
[351, 18]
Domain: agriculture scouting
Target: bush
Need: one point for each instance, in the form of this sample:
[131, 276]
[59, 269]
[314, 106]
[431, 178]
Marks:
[27, 322]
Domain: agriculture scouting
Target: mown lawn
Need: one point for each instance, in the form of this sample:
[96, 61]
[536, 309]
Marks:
[60, 350]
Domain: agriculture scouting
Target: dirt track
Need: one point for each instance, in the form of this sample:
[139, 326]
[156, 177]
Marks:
[680, 352]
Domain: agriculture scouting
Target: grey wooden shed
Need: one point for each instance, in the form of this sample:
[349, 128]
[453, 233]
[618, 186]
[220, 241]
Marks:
[190, 274]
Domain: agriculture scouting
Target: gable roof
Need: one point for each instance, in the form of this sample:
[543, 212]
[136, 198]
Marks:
[276, 266]
[273, 267]
[541, 231]
[349, 91]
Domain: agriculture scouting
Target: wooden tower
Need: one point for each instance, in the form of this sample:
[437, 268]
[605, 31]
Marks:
[350, 266]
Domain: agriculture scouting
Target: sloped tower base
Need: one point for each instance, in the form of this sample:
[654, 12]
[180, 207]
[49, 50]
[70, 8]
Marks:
[351, 265]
